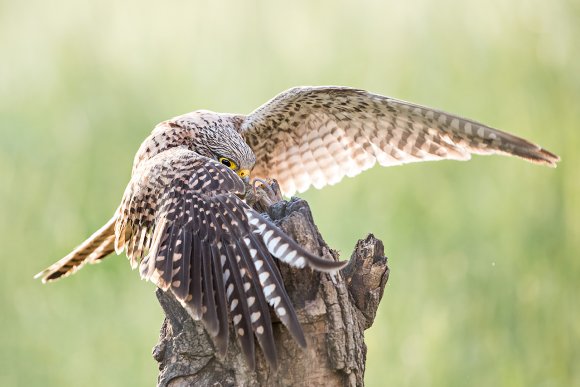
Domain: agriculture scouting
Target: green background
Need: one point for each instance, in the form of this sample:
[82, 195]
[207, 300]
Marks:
[484, 255]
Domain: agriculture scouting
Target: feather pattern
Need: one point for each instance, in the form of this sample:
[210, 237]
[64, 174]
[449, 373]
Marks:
[213, 252]
[315, 136]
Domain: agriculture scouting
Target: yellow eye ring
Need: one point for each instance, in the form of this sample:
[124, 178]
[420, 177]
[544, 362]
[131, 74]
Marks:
[228, 163]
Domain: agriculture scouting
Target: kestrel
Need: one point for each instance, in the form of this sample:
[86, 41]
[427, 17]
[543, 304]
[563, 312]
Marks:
[184, 222]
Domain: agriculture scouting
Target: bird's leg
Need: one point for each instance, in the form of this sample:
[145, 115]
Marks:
[263, 193]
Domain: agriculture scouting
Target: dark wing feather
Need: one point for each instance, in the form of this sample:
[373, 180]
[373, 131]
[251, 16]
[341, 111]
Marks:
[182, 279]
[239, 304]
[221, 339]
[210, 315]
[317, 135]
[258, 307]
[194, 298]
[273, 287]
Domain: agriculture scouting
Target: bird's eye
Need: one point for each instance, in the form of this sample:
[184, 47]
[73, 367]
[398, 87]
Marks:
[228, 163]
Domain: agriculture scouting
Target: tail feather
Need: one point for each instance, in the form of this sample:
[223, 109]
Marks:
[95, 248]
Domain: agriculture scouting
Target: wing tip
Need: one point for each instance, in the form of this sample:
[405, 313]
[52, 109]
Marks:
[42, 275]
[325, 265]
[51, 274]
[548, 158]
[538, 155]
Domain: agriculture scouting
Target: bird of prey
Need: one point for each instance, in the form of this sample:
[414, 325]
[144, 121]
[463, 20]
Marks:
[184, 223]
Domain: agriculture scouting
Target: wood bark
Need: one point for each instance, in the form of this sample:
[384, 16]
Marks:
[334, 313]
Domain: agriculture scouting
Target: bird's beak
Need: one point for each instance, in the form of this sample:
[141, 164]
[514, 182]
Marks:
[244, 174]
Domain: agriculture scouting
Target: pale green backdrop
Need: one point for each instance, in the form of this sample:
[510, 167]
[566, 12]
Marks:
[484, 255]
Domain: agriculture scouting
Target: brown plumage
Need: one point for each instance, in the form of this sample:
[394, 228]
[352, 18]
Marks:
[184, 223]
[317, 135]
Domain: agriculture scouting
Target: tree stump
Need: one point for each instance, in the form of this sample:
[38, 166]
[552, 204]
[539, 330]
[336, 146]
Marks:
[333, 312]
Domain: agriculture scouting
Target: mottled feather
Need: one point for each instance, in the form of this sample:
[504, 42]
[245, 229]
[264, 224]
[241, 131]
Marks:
[314, 136]
[203, 220]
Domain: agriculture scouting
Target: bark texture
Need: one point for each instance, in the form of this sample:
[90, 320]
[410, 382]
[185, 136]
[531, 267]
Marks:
[333, 313]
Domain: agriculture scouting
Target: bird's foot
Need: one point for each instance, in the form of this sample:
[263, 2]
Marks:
[263, 193]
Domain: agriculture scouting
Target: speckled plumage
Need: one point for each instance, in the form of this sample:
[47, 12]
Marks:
[317, 135]
[184, 223]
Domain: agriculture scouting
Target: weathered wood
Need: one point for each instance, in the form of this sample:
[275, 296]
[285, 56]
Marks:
[333, 314]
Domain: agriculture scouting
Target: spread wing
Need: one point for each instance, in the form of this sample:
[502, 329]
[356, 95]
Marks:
[317, 135]
[182, 223]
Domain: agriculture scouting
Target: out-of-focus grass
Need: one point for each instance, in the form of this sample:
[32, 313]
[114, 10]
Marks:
[484, 255]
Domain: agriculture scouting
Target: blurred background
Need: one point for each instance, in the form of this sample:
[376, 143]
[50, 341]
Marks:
[484, 255]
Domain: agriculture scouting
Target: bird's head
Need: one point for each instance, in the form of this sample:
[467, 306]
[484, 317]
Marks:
[209, 134]
[217, 138]
[223, 143]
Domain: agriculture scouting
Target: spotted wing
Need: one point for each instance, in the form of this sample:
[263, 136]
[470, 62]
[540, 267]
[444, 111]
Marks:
[317, 135]
[183, 224]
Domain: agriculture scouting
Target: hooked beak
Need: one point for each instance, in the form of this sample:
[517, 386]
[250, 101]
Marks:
[244, 174]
